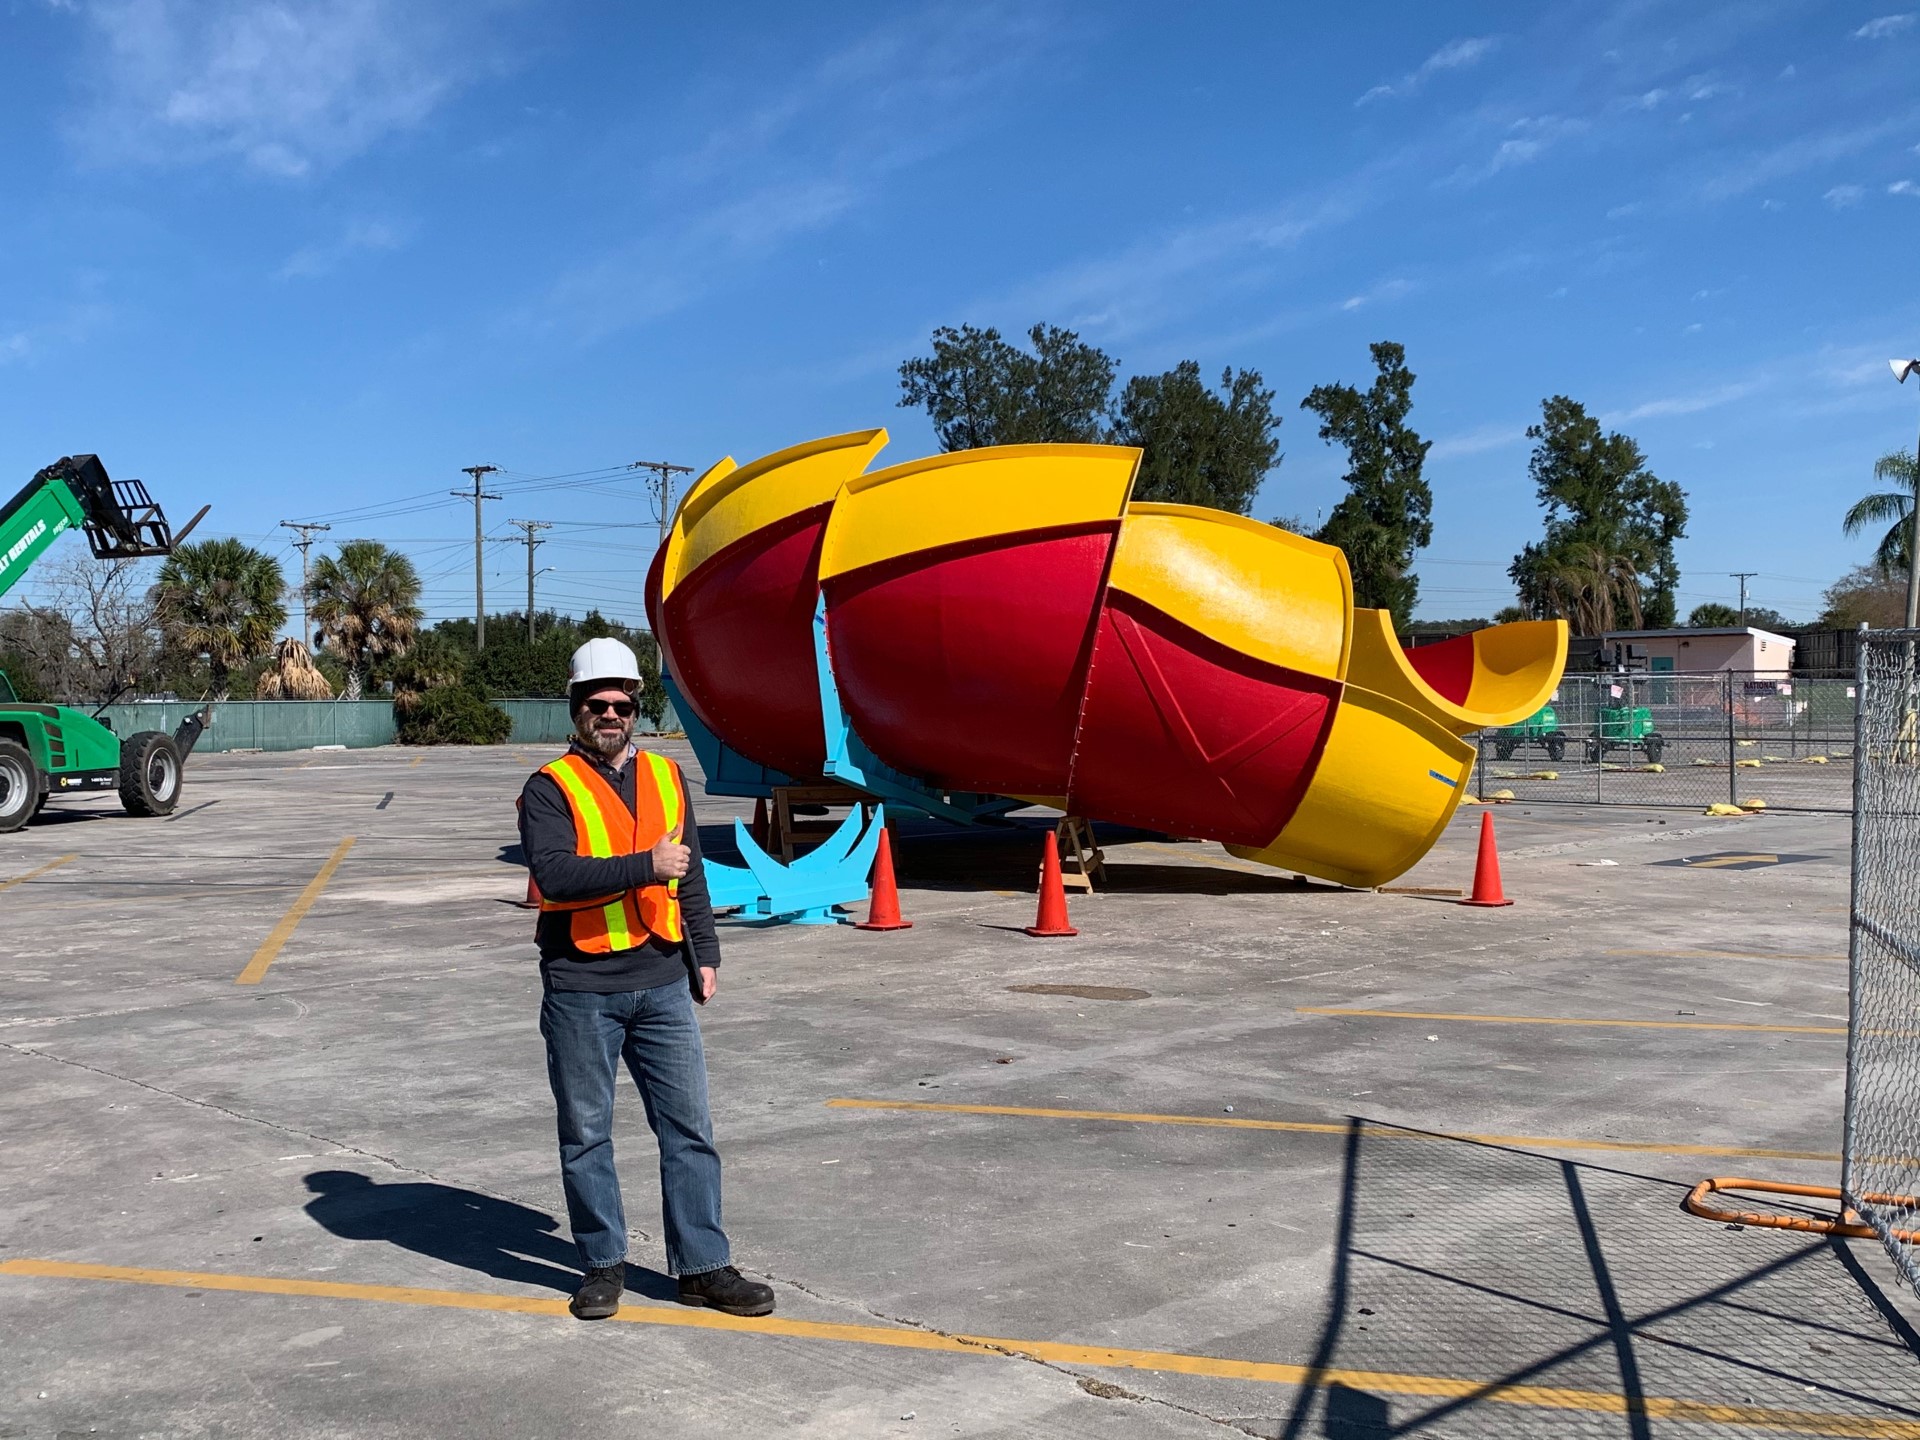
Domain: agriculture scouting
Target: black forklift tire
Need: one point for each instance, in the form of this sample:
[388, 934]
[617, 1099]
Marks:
[1556, 747]
[19, 786]
[1503, 749]
[1656, 746]
[1593, 752]
[150, 773]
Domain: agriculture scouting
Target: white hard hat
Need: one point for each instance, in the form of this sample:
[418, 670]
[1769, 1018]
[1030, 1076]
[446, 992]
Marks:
[603, 659]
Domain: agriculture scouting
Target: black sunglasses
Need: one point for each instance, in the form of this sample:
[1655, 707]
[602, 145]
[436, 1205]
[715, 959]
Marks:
[623, 708]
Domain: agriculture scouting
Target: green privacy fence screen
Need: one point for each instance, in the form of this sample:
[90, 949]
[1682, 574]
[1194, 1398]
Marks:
[303, 724]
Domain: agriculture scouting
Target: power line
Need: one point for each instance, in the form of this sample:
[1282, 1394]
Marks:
[479, 542]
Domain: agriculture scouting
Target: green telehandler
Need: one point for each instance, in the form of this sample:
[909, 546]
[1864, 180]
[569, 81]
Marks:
[50, 750]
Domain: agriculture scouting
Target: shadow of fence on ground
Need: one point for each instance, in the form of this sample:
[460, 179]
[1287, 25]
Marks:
[1579, 1299]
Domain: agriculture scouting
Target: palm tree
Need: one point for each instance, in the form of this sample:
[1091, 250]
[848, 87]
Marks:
[1593, 588]
[1893, 508]
[293, 675]
[221, 599]
[366, 606]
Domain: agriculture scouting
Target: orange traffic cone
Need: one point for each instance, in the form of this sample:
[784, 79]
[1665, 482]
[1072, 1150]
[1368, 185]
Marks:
[532, 902]
[1052, 919]
[759, 829]
[1486, 872]
[883, 910]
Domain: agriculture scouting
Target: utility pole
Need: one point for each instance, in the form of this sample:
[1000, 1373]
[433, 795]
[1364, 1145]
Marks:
[1742, 576]
[530, 537]
[661, 484]
[479, 544]
[306, 530]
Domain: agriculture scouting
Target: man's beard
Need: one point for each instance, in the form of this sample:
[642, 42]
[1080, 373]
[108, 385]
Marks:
[589, 727]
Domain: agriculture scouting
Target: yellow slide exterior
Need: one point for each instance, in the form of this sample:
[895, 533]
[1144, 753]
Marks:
[974, 495]
[1388, 783]
[1264, 592]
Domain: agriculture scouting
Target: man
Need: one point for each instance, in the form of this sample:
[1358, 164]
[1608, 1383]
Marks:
[627, 944]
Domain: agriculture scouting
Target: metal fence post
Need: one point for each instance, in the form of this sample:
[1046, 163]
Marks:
[1733, 773]
[1853, 913]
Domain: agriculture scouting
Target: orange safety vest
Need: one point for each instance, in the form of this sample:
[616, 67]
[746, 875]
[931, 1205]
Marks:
[603, 827]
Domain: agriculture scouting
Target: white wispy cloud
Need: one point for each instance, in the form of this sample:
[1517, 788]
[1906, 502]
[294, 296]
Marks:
[1692, 404]
[1706, 87]
[1477, 441]
[1530, 137]
[63, 326]
[282, 88]
[1886, 25]
[1386, 290]
[325, 256]
[1842, 197]
[1903, 187]
[1804, 152]
[1454, 55]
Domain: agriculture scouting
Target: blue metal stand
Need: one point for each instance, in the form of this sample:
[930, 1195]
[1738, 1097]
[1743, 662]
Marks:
[805, 892]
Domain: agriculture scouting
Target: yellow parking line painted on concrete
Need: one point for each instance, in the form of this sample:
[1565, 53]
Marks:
[1370, 1129]
[415, 761]
[289, 922]
[1570, 1020]
[53, 864]
[1726, 955]
[1099, 1357]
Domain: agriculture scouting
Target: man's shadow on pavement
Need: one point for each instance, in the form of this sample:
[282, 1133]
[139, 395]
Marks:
[461, 1227]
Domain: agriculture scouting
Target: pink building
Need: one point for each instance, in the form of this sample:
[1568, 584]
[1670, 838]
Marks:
[1734, 648]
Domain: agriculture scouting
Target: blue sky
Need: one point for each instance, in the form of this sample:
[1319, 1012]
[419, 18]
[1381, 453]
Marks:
[299, 259]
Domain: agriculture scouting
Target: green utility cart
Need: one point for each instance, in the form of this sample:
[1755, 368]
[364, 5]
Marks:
[1540, 728]
[1625, 727]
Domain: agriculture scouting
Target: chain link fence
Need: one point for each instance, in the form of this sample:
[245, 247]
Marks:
[1881, 1175]
[1681, 740]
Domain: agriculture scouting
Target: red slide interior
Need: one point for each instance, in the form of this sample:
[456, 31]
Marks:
[1185, 735]
[750, 677]
[1447, 667]
[965, 665]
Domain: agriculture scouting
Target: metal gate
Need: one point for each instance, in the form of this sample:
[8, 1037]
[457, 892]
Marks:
[1881, 1171]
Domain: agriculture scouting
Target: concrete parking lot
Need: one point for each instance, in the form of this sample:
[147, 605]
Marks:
[1244, 1157]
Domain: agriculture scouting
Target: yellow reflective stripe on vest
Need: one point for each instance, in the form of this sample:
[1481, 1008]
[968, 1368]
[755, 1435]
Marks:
[599, 842]
[667, 783]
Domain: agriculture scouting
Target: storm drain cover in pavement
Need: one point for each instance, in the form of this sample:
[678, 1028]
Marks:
[1084, 992]
[1737, 860]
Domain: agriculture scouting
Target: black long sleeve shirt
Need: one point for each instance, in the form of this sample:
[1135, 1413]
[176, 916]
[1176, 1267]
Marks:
[548, 840]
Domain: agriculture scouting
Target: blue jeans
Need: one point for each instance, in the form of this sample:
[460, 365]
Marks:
[654, 1030]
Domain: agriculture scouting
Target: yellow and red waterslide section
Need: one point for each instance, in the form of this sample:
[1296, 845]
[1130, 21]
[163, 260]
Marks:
[1004, 621]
